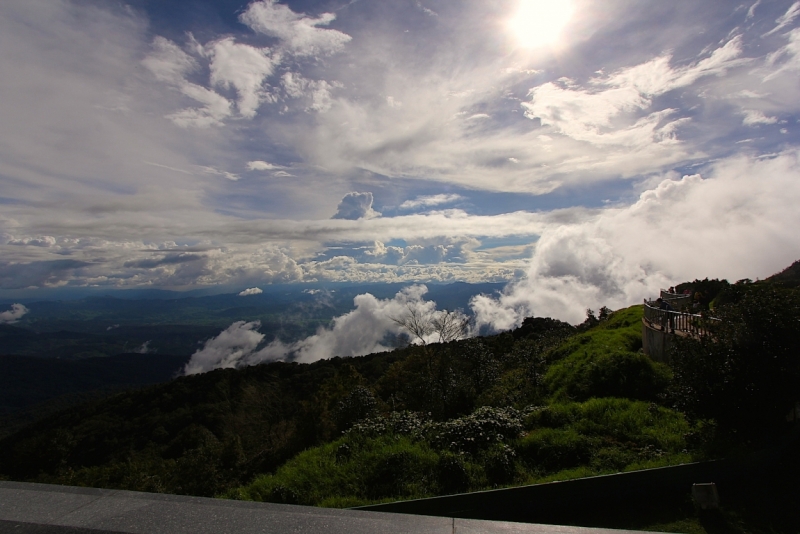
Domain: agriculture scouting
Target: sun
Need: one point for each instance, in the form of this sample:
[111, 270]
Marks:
[540, 22]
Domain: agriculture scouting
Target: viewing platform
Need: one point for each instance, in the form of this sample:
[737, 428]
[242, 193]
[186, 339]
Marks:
[660, 326]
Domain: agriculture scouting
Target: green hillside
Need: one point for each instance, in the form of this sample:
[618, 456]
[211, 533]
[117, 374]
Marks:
[548, 401]
[211, 433]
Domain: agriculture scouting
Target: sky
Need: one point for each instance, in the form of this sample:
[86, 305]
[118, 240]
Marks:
[586, 152]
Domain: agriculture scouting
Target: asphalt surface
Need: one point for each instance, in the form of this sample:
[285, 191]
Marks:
[48, 509]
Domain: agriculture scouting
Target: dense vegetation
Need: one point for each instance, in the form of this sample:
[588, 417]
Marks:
[741, 379]
[547, 401]
[211, 433]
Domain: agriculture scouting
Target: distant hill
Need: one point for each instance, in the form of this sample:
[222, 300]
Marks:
[26, 381]
[789, 277]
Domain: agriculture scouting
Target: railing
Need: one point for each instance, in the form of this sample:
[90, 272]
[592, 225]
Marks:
[677, 300]
[671, 321]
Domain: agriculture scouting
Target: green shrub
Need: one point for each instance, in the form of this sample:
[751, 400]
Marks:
[551, 449]
[403, 423]
[374, 469]
[500, 464]
[453, 473]
[479, 430]
[745, 376]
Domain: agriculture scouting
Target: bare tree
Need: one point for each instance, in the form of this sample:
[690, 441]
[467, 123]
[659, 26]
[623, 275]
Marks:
[450, 325]
[418, 322]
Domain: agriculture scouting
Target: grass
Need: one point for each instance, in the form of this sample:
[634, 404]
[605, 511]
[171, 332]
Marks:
[606, 361]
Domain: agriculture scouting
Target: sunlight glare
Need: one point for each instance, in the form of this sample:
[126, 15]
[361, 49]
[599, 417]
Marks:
[539, 22]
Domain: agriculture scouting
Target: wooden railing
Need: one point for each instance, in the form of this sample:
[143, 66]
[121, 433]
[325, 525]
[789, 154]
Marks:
[671, 321]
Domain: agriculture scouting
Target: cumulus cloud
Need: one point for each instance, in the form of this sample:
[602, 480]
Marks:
[245, 68]
[356, 206]
[299, 34]
[429, 201]
[370, 327]
[14, 314]
[686, 228]
[251, 291]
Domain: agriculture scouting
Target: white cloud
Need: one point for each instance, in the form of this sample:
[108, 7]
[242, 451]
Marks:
[230, 349]
[422, 252]
[14, 314]
[753, 117]
[788, 56]
[738, 222]
[427, 11]
[216, 172]
[752, 10]
[168, 62]
[262, 166]
[785, 19]
[299, 34]
[317, 91]
[251, 291]
[245, 68]
[356, 206]
[593, 114]
[430, 201]
[216, 108]
[367, 329]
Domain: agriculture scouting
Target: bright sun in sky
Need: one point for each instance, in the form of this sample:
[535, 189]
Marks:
[539, 22]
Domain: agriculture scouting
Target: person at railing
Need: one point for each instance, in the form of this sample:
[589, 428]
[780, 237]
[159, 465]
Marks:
[697, 298]
[667, 319]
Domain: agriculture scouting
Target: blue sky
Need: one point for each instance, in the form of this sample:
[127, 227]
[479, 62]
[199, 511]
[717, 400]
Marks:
[196, 143]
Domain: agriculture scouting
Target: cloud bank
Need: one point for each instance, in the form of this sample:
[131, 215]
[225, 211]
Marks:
[370, 327]
[685, 228]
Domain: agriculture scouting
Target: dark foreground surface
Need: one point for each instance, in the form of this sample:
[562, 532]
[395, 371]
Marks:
[47, 509]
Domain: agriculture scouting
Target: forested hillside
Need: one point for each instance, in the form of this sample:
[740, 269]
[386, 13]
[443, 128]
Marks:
[546, 401]
[467, 401]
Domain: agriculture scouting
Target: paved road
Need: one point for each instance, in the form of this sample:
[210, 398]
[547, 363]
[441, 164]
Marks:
[47, 509]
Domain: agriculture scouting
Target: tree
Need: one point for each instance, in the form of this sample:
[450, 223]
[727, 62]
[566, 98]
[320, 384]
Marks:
[418, 322]
[745, 374]
[448, 325]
